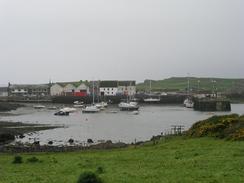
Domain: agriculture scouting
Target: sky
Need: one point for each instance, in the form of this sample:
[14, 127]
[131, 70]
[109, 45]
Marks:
[69, 40]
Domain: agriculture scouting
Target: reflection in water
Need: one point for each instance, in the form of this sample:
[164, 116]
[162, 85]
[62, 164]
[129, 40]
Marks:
[106, 125]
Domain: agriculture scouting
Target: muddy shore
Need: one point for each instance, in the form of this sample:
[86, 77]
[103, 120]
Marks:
[10, 130]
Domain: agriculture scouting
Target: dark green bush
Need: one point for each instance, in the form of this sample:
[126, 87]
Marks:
[89, 177]
[33, 160]
[18, 160]
[100, 170]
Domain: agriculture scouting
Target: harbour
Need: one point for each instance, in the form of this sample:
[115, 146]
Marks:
[109, 124]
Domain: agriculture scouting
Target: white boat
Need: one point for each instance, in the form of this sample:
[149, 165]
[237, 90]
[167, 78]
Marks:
[101, 104]
[148, 100]
[188, 103]
[135, 112]
[39, 106]
[128, 106]
[92, 108]
[151, 99]
[68, 109]
[52, 108]
[78, 105]
[78, 102]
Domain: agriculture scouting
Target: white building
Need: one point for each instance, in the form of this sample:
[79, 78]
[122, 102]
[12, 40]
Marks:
[56, 90]
[69, 89]
[127, 88]
[108, 88]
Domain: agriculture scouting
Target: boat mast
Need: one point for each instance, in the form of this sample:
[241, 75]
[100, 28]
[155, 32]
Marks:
[93, 92]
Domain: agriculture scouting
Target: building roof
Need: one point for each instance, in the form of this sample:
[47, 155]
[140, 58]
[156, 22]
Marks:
[75, 83]
[109, 84]
[127, 83]
[29, 86]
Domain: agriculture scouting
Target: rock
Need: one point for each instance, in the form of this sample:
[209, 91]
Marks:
[36, 143]
[21, 136]
[6, 137]
[90, 141]
[71, 141]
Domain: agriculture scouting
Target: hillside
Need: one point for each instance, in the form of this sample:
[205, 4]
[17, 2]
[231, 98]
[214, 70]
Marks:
[172, 159]
[180, 84]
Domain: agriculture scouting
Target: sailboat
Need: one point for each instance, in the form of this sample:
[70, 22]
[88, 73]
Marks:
[92, 108]
[188, 102]
[128, 105]
[151, 99]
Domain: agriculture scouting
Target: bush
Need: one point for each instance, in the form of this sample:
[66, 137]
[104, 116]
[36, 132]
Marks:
[18, 160]
[89, 177]
[100, 170]
[33, 160]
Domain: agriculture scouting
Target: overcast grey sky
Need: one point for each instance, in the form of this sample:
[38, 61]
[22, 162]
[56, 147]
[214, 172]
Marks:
[120, 39]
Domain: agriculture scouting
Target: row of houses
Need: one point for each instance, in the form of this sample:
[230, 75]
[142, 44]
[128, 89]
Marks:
[79, 88]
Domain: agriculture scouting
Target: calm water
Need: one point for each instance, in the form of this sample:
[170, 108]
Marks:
[121, 126]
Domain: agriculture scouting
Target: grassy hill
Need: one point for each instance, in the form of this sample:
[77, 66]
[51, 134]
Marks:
[171, 160]
[184, 159]
[180, 83]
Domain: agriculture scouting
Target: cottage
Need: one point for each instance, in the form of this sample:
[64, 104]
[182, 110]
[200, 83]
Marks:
[127, 88]
[108, 88]
[29, 90]
[69, 89]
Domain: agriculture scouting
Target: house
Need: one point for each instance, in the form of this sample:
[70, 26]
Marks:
[94, 87]
[127, 88]
[3, 91]
[108, 88]
[29, 90]
[82, 90]
[69, 89]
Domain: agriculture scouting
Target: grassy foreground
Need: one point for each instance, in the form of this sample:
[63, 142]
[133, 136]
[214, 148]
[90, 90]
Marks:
[173, 160]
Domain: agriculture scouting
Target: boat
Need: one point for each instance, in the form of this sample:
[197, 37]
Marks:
[101, 104]
[92, 108]
[135, 112]
[39, 106]
[128, 106]
[151, 99]
[78, 105]
[148, 100]
[188, 102]
[68, 109]
[61, 113]
[52, 108]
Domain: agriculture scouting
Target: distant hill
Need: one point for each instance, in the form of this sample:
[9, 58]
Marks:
[180, 84]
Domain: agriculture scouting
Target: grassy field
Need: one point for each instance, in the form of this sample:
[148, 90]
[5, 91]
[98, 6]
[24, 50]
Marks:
[172, 160]
[180, 83]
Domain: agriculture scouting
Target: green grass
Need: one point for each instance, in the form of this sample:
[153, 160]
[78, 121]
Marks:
[180, 83]
[175, 160]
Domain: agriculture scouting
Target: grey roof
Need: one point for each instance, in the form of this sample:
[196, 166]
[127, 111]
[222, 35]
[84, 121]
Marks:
[29, 86]
[127, 83]
[108, 84]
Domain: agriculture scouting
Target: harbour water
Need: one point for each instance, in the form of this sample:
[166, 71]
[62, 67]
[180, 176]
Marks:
[121, 126]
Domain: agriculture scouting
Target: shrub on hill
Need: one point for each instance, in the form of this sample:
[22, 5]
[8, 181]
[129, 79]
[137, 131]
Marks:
[89, 177]
[227, 126]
